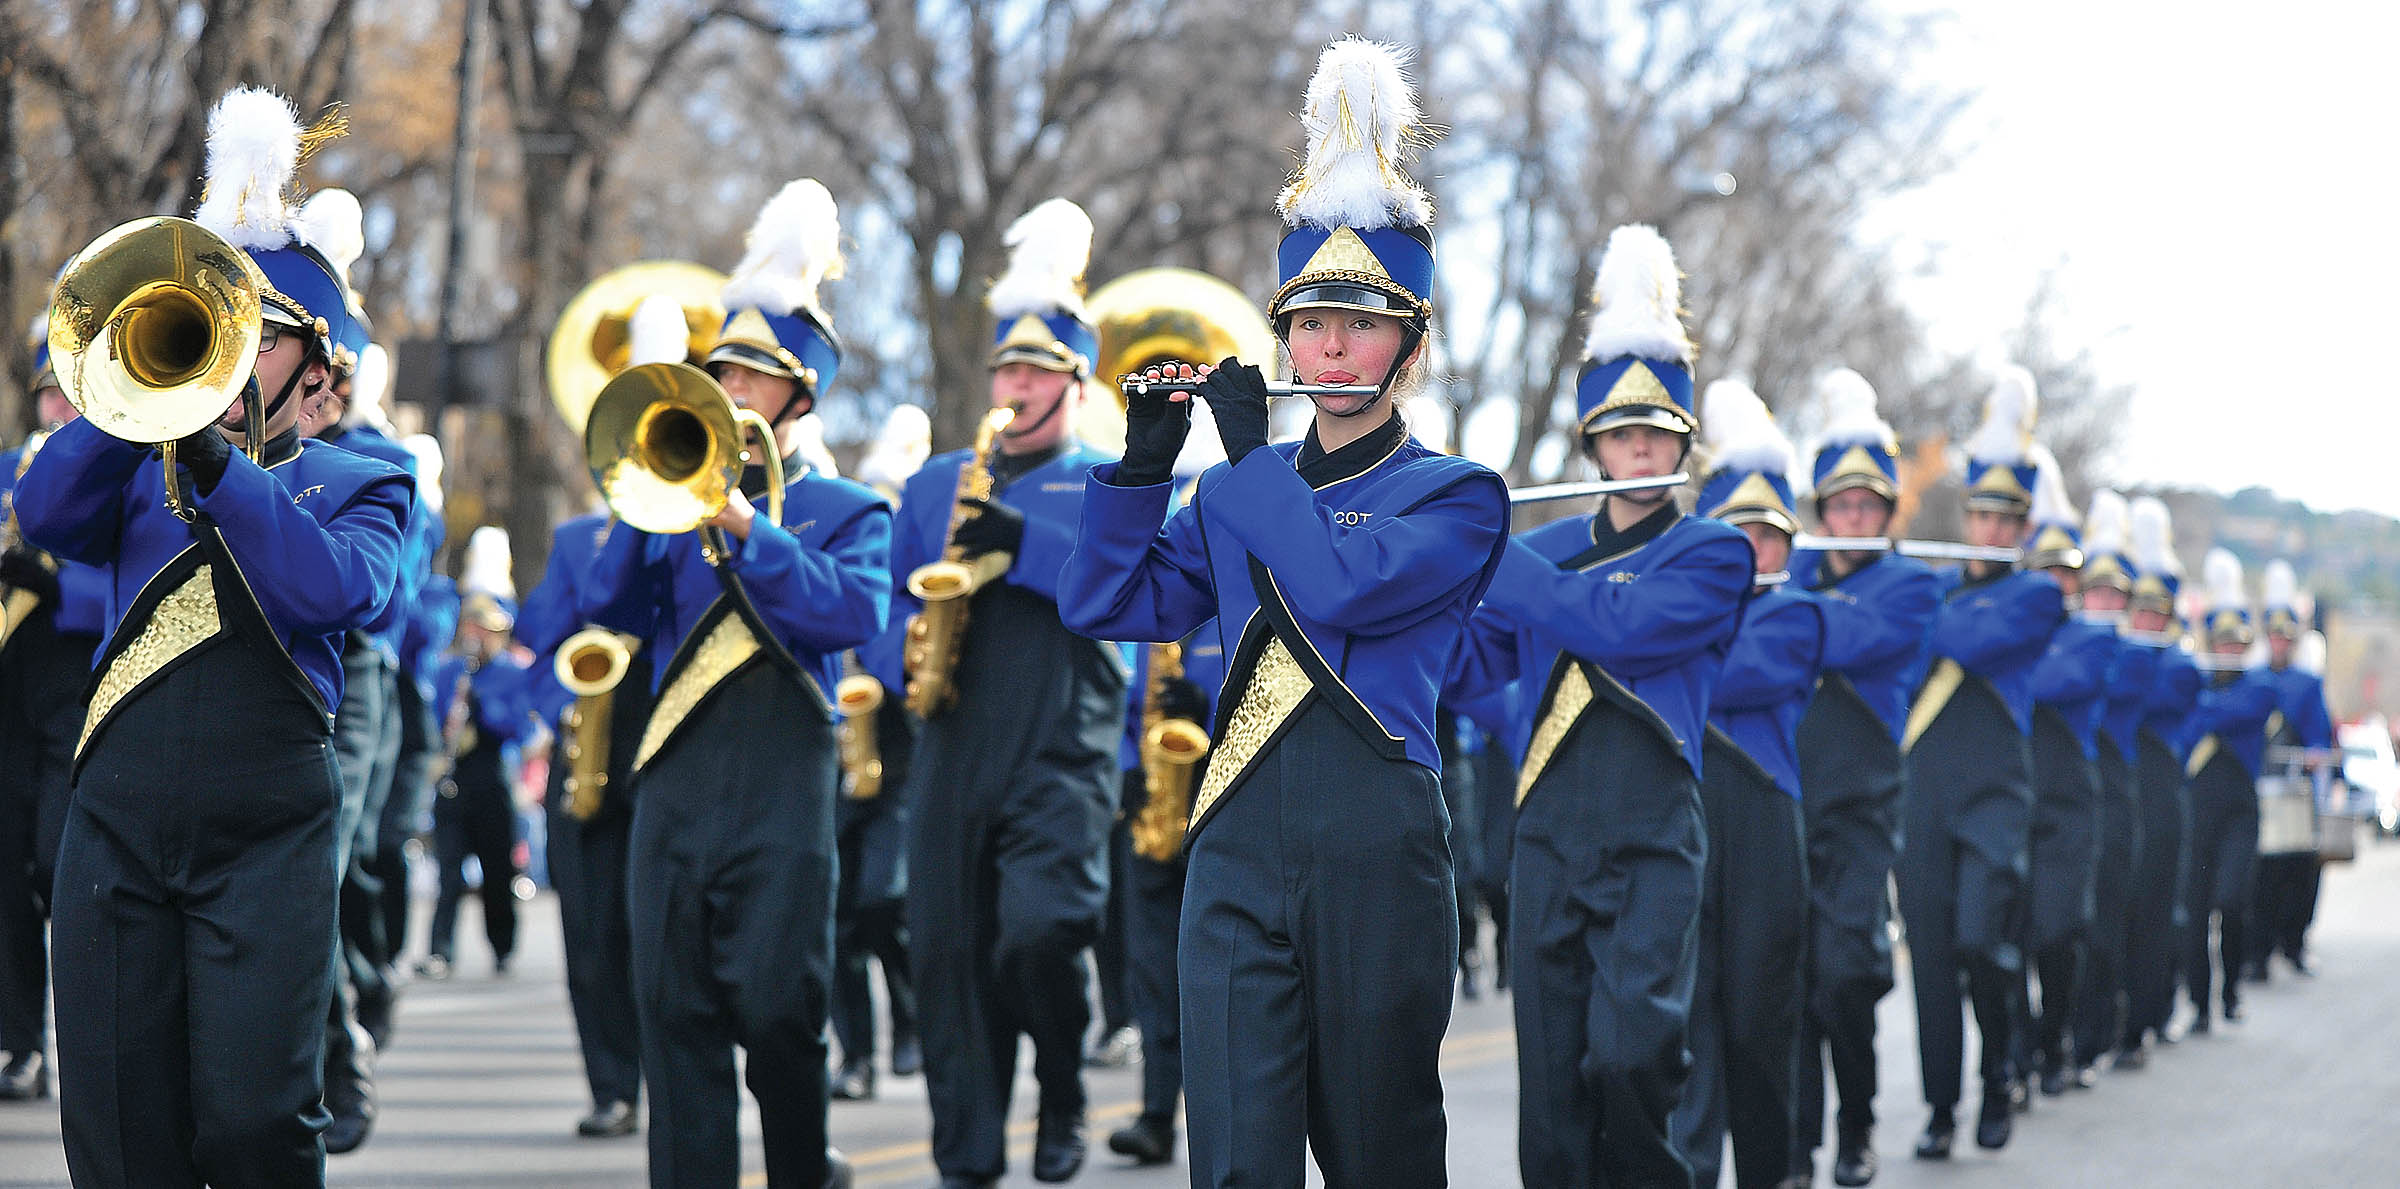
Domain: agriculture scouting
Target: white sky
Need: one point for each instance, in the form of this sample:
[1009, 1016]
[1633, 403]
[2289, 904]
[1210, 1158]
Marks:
[2215, 184]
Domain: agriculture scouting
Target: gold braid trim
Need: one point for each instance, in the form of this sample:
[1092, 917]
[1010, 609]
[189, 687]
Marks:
[182, 621]
[1567, 705]
[1940, 687]
[1277, 685]
[728, 647]
[2201, 755]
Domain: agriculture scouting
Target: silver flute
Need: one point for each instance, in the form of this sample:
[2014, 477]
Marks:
[1906, 547]
[1137, 386]
[1568, 491]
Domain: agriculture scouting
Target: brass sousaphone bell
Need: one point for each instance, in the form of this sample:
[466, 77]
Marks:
[665, 446]
[154, 331]
[593, 339]
[1153, 316]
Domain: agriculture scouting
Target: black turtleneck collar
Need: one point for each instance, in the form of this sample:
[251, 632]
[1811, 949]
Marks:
[1609, 541]
[1318, 468]
[754, 476]
[281, 448]
[1008, 468]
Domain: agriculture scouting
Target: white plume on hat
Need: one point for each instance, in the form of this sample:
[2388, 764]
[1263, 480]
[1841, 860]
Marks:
[900, 448]
[794, 245]
[1639, 300]
[370, 388]
[1048, 248]
[253, 151]
[2221, 572]
[2153, 537]
[487, 565]
[2051, 504]
[1360, 113]
[2006, 435]
[1741, 434]
[2282, 586]
[656, 332]
[428, 450]
[2308, 655]
[332, 223]
[2105, 523]
[1847, 404]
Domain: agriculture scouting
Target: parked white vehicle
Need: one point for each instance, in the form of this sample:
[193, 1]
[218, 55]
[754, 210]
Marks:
[2371, 771]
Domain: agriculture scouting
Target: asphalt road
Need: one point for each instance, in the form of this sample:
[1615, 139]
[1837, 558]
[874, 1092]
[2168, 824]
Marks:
[483, 1085]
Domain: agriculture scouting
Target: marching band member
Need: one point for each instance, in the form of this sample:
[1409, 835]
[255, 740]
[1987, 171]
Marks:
[225, 642]
[2286, 891]
[870, 909]
[2070, 694]
[2155, 921]
[2107, 581]
[1624, 618]
[1878, 609]
[730, 879]
[427, 630]
[1319, 922]
[2229, 732]
[1013, 783]
[588, 806]
[485, 717]
[1754, 891]
[55, 610]
[1961, 874]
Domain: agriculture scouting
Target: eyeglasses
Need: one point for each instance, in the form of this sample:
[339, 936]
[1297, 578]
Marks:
[271, 333]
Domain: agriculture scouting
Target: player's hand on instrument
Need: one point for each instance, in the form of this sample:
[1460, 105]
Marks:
[1156, 424]
[1237, 398]
[736, 517]
[23, 569]
[205, 454]
[990, 527]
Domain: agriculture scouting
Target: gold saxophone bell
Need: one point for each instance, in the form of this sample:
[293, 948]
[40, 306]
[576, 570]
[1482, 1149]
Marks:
[665, 446]
[1170, 749]
[859, 697]
[593, 339]
[154, 331]
[590, 664]
[936, 634]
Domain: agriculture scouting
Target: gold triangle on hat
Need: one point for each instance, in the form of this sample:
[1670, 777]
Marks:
[2052, 539]
[1638, 385]
[1343, 251]
[1753, 492]
[1030, 331]
[1999, 478]
[1856, 461]
[749, 328]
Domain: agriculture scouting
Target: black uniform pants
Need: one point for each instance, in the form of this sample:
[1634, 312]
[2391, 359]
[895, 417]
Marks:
[2283, 899]
[1851, 779]
[1108, 949]
[475, 815]
[870, 919]
[2100, 1012]
[1961, 875]
[1466, 830]
[405, 811]
[2224, 848]
[2155, 920]
[2064, 856]
[365, 745]
[191, 944]
[732, 878]
[1745, 1019]
[1153, 896]
[1495, 786]
[587, 869]
[1318, 949]
[1604, 906]
[42, 674]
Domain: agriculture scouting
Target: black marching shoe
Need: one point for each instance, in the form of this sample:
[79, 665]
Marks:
[963, 1182]
[607, 1121]
[837, 1170]
[2057, 1074]
[1939, 1131]
[1854, 1158]
[1148, 1139]
[25, 1078]
[2020, 1095]
[855, 1082]
[349, 1089]
[908, 1057]
[2254, 972]
[2130, 1057]
[1058, 1146]
[2300, 965]
[1993, 1126]
[2233, 1010]
[2200, 1025]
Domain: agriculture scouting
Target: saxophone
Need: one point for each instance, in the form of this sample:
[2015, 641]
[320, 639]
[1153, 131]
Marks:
[858, 697]
[1170, 747]
[16, 606]
[590, 664]
[936, 633]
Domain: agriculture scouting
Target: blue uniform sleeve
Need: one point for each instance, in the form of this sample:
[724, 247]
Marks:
[501, 706]
[2235, 709]
[548, 615]
[1128, 578]
[619, 591]
[2176, 687]
[71, 501]
[1041, 557]
[1487, 654]
[1667, 617]
[2310, 719]
[2029, 612]
[2077, 672]
[1372, 578]
[312, 576]
[1863, 636]
[824, 599]
[1774, 658]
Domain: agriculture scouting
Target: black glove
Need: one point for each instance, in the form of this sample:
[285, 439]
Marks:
[1180, 697]
[993, 528]
[1154, 431]
[1237, 397]
[23, 569]
[205, 455]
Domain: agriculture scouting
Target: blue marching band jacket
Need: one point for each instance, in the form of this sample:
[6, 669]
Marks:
[2073, 677]
[2174, 697]
[293, 554]
[795, 594]
[2233, 717]
[421, 538]
[1337, 588]
[1994, 631]
[1769, 675]
[551, 611]
[1878, 624]
[82, 589]
[2128, 697]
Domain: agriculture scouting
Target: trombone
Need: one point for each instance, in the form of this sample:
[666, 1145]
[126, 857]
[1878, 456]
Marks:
[665, 445]
[155, 327]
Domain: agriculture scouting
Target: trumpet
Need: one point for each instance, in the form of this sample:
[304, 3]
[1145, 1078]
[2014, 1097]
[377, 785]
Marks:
[1137, 386]
[1938, 550]
[666, 447]
[155, 328]
[859, 696]
[590, 664]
